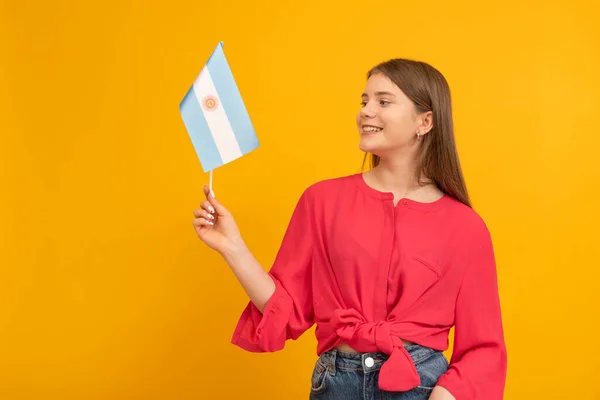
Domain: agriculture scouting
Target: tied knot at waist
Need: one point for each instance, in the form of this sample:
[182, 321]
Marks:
[398, 373]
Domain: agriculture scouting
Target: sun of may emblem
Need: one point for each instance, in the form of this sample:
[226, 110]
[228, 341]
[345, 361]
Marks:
[210, 103]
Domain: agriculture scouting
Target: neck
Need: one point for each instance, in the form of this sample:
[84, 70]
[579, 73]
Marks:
[396, 176]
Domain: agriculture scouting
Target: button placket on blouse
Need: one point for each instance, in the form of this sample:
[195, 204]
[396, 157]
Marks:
[388, 238]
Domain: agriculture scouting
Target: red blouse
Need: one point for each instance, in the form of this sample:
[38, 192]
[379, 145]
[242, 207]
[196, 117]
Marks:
[369, 273]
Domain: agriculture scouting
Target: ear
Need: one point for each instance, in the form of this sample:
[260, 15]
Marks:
[425, 122]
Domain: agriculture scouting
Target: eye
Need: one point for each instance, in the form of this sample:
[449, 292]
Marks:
[363, 103]
[384, 102]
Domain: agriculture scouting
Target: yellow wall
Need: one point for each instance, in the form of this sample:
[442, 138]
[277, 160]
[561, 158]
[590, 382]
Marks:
[106, 293]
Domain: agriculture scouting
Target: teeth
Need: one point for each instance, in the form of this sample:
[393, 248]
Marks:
[371, 129]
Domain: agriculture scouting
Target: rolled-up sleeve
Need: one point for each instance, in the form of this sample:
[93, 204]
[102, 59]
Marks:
[289, 311]
[478, 365]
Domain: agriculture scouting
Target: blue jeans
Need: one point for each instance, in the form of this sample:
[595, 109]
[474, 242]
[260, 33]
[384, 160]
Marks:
[339, 375]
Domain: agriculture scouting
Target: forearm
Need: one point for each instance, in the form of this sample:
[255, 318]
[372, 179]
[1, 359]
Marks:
[441, 393]
[257, 284]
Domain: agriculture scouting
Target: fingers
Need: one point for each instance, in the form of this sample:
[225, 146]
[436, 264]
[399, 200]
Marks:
[210, 196]
[208, 192]
[207, 206]
[200, 222]
[203, 213]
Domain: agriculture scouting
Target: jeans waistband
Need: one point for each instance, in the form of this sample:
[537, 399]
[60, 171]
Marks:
[336, 359]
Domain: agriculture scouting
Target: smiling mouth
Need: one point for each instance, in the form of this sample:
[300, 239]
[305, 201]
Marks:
[368, 129]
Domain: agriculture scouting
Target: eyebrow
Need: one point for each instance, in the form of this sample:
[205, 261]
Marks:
[380, 94]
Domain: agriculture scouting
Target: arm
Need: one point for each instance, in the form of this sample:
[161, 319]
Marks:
[281, 306]
[256, 282]
[216, 227]
[441, 393]
[478, 364]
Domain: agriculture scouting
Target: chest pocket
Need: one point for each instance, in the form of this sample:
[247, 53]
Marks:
[414, 277]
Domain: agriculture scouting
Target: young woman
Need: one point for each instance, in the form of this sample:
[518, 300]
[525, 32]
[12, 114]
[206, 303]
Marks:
[384, 262]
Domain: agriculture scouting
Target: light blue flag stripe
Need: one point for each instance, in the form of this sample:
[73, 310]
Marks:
[199, 132]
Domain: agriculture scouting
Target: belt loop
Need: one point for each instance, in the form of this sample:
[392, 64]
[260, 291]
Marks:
[332, 360]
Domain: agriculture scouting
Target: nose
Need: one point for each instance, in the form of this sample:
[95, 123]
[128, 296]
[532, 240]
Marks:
[368, 111]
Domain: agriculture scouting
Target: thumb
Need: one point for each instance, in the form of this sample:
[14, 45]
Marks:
[210, 196]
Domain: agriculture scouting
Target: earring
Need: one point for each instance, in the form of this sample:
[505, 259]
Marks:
[418, 135]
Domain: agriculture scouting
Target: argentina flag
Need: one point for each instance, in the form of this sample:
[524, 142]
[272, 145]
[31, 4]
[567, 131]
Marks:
[215, 116]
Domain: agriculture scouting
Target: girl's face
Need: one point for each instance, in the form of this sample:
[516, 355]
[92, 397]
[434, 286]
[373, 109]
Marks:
[388, 120]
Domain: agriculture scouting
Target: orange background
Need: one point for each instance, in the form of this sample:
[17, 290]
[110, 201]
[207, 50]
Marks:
[106, 293]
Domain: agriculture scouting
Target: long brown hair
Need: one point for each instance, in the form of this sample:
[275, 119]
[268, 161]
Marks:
[429, 91]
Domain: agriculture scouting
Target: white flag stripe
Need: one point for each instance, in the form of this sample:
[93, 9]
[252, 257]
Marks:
[216, 119]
